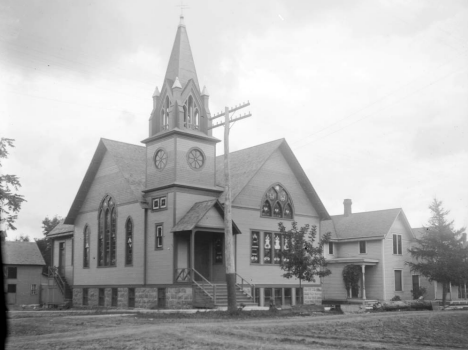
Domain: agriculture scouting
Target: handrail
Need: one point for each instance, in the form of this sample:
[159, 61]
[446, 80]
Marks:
[252, 286]
[213, 286]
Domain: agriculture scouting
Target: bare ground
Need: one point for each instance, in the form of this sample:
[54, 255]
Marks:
[393, 330]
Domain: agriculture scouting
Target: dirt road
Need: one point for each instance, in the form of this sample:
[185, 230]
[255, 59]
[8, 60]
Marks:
[397, 330]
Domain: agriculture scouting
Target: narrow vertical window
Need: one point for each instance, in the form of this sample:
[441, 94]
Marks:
[399, 245]
[254, 254]
[196, 119]
[85, 296]
[86, 247]
[278, 296]
[161, 298]
[330, 248]
[398, 281]
[267, 248]
[277, 211]
[114, 296]
[362, 247]
[277, 249]
[131, 297]
[33, 289]
[101, 296]
[159, 236]
[218, 251]
[107, 232]
[395, 249]
[129, 242]
[287, 296]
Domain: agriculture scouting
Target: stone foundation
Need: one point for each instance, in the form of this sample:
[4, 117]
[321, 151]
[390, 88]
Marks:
[145, 298]
[313, 295]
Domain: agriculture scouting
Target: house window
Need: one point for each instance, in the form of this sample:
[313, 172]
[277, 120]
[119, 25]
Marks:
[287, 296]
[86, 247]
[362, 247]
[398, 281]
[254, 253]
[107, 232]
[131, 297]
[415, 283]
[267, 248]
[191, 114]
[12, 272]
[268, 296]
[101, 299]
[85, 296]
[257, 296]
[218, 251]
[161, 298]
[11, 288]
[114, 296]
[159, 203]
[129, 242]
[397, 248]
[159, 236]
[330, 248]
[278, 296]
[276, 203]
[33, 289]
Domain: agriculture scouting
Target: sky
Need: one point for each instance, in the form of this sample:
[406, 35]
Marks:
[371, 95]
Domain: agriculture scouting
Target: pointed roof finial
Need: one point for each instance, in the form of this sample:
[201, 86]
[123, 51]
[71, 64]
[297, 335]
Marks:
[181, 22]
[156, 92]
[177, 84]
[205, 91]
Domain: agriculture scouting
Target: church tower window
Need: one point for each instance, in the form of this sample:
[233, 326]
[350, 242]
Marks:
[129, 242]
[86, 247]
[195, 158]
[160, 159]
[277, 203]
[165, 115]
[107, 232]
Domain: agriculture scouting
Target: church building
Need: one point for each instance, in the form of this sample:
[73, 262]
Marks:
[146, 226]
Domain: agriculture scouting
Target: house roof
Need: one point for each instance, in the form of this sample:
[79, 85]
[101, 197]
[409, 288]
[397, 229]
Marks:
[61, 230]
[131, 161]
[22, 253]
[181, 64]
[247, 162]
[197, 212]
[366, 224]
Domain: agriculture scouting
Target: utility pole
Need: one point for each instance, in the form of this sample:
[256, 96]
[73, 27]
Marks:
[228, 238]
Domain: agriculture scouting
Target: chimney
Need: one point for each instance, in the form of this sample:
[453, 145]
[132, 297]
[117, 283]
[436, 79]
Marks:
[347, 207]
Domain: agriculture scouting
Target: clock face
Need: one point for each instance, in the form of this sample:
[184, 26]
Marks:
[195, 159]
[160, 159]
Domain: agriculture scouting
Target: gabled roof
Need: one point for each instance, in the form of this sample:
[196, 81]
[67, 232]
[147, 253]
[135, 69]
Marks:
[61, 230]
[247, 162]
[181, 64]
[363, 225]
[22, 253]
[130, 160]
[197, 212]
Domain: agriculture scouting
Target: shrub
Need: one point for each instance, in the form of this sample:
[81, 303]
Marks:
[420, 292]
[396, 298]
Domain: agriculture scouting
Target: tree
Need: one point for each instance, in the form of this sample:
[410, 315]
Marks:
[301, 258]
[440, 253]
[44, 243]
[10, 202]
[22, 238]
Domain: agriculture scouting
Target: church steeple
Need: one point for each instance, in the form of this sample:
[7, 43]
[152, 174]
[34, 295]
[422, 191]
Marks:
[181, 64]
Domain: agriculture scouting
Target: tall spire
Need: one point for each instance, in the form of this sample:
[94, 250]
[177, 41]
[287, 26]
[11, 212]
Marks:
[181, 63]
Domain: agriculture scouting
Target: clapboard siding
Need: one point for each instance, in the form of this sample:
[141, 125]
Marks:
[120, 274]
[395, 261]
[68, 257]
[155, 177]
[333, 286]
[108, 180]
[275, 169]
[204, 176]
[248, 220]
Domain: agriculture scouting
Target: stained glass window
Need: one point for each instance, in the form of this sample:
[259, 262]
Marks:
[254, 255]
[277, 249]
[218, 251]
[129, 242]
[277, 203]
[86, 247]
[107, 235]
[267, 248]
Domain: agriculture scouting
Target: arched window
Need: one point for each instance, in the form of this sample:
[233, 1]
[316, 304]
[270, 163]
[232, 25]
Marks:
[86, 247]
[277, 203]
[129, 242]
[191, 114]
[107, 232]
[165, 115]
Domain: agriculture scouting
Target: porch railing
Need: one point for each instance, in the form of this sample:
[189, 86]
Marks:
[183, 275]
[240, 282]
